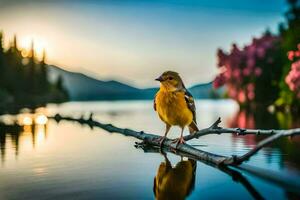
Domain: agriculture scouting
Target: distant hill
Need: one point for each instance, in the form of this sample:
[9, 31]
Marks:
[207, 91]
[82, 87]
[85, 88]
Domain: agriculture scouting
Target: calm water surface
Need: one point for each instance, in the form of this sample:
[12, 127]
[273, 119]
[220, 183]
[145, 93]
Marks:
[70, 161]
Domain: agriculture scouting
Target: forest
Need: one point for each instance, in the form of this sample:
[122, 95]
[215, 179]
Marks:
[24, 79]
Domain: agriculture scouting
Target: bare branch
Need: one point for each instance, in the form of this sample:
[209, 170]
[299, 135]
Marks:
[215, 129]
[280, 133]
[199, 154]
[219, 161]
[150, 139]
[236, 160]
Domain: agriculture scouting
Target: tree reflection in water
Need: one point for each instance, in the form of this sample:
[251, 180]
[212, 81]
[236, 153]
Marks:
[12, 134]
[262, 119]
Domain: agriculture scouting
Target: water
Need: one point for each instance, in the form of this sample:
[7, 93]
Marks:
[70, 161]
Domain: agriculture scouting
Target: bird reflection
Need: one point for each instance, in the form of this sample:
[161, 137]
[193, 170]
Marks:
[174, 182]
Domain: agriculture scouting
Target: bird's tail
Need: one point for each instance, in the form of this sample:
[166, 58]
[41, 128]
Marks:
[193, 127]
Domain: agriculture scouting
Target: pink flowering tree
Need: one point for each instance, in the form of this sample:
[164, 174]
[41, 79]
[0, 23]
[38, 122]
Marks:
[293, 77]
[290, 87]
[251, 74]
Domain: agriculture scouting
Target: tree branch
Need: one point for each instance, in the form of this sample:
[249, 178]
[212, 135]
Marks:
[221, 162]
[149, 139]
[199, 154]
[236, 160]
[215, 129]
[265, 142]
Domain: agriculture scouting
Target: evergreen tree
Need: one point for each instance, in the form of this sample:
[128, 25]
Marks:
[1, 44]
[32, 71]
[43, 79]
[13, 69]
[26, 83]
[1, 60]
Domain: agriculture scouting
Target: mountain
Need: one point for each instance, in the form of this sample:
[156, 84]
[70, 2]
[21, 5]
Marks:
[84, 88]
[207, 91]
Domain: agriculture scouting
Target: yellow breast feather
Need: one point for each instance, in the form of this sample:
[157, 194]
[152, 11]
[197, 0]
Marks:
[172, 108]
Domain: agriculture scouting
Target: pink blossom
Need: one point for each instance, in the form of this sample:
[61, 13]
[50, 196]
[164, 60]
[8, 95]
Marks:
[290, 55]
[293, 77]
[239, 64]
[241, 97]
[246, 71]
[296, 65]
[242, 120]
[250, 62]
[232, 93]
[250, 87]
[236, 73]
[219, 81]
[261, 52]
[250, 50]
[251, 95]
[257, 71]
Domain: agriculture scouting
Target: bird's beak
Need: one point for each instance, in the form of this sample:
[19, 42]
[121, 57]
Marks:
[159, 79]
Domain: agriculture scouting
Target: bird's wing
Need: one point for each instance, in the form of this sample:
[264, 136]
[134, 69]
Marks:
[190, 103]
[154, 103]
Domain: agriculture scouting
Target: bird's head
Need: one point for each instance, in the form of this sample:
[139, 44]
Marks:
[170, 81]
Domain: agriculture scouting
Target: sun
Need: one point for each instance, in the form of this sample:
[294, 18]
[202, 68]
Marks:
[39, 45]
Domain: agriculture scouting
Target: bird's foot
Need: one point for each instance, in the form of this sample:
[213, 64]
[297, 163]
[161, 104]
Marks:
[161, 141]
[173, 150]
[178, 141]
[181, 140]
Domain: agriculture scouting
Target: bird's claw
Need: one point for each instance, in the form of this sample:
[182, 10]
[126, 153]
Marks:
[161, 141]
[178, 141]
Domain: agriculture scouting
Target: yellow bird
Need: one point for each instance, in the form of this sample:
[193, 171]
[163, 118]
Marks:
[174, 183]
[175, 105]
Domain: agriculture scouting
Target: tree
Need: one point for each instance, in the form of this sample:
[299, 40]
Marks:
[43, 79]
[260, 72]
[24, 80]
[1, 60]
[250, 73]
[290, 34]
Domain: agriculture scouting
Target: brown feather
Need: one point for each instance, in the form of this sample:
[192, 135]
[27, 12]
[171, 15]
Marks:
[193, 127]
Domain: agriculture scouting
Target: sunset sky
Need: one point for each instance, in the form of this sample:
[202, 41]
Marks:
[135, 40]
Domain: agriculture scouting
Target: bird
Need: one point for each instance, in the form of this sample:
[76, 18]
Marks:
[174, 182]
[175, 105]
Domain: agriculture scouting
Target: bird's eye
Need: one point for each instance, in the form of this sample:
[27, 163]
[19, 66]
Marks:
[170, 78]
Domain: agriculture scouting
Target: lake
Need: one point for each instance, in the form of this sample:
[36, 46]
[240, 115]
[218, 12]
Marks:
[66, 160]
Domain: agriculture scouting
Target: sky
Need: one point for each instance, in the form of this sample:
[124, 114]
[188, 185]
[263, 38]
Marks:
[136, 40]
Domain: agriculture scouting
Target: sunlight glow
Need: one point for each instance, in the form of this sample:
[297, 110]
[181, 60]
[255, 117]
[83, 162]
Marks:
[27, 129]
[41, 119]
[27, 120]
[39, 45]
[40, 135]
